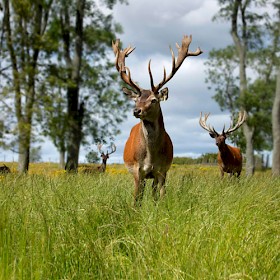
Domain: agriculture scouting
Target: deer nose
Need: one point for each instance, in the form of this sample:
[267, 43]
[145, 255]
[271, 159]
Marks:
[137, 112]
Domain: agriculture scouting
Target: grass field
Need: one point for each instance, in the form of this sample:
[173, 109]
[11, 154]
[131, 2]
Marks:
[58, 226]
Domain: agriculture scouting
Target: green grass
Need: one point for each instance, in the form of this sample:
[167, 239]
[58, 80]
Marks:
[84, 227]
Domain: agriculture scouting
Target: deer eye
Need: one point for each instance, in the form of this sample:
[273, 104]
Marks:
[154, 101]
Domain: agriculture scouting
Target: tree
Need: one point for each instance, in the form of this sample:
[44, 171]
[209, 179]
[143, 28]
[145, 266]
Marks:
[35, 154]
[246, 34]
[92, 157]
[24, 26]
[276, 103]
[55, 118]
[82, 34]
[221, 66]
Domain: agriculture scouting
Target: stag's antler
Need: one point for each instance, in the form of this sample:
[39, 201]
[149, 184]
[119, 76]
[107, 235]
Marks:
[120, 63]
[124, 71]
[113, 149]
[203, 124]
[99, 147]
[183, 52]
[241, 119]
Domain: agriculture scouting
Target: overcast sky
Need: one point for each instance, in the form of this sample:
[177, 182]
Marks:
[152, 27]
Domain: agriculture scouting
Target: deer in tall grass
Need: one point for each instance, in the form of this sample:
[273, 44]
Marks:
[229, 158]
[104, 156]
[148, 152]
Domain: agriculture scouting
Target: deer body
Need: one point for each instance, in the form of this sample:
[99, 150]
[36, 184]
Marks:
[152, 156]
[102, 167]
[105, 156]
[148, 151]
[229, 158]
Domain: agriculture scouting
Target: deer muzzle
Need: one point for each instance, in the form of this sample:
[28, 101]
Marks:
[137, 112]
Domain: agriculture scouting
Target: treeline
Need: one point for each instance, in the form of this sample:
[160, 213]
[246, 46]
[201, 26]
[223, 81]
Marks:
[261, 161]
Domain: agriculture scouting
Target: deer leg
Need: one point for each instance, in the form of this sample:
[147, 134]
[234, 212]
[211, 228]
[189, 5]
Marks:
[138, 191]
[161, 180]
[155, 189]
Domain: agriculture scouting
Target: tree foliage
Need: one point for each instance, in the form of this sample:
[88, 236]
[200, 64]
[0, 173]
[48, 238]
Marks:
[235, 87]
[56, 68]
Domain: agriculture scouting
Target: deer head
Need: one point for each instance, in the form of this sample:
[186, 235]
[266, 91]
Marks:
[104, 155]
[147, 100]
[220, 138]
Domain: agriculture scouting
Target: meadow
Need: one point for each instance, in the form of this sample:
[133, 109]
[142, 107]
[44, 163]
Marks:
[59, 226]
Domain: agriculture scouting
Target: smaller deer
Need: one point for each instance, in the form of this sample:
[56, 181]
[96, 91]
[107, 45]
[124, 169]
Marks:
[104, 156]
[5, 169]
[229, 158]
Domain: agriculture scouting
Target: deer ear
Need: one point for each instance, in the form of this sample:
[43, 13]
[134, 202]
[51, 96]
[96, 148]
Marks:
[163, 94]
[130, 93]
[212, 135]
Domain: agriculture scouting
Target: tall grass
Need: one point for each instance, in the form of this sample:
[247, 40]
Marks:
[84, 227]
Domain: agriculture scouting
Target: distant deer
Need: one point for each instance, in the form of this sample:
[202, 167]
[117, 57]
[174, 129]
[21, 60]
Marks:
[5, 169]
[104, 156]
[148, 151]
[102, 167]
[229, 158]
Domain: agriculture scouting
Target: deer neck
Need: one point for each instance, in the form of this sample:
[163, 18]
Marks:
[153, 131]
[223, 149]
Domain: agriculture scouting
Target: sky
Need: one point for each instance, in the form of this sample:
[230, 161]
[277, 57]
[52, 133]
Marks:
[152, 27]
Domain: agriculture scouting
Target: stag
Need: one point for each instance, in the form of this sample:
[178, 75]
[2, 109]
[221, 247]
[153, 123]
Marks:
[104, 156]
[229, 158]
[148, 152]
[102, 167]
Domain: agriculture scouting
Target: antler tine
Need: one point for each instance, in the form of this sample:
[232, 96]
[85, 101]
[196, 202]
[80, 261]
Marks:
[113, 149]
[204, 125]
[126, 77]
[183, 52]
[99, 146]
[120, 63]
[242, 116]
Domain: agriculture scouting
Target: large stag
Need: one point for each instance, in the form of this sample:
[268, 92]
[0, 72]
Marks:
[148, 151]
[229, 158]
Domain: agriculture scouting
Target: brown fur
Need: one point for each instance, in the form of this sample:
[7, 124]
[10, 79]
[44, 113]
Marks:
[229, 158]
[148, 151]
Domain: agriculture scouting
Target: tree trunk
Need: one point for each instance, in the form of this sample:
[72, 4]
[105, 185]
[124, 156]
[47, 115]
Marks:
[24, 150]
[75, 121]
[250, 159]
[75, 111]
[276, 129]
[241, 44]
[62, 159]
